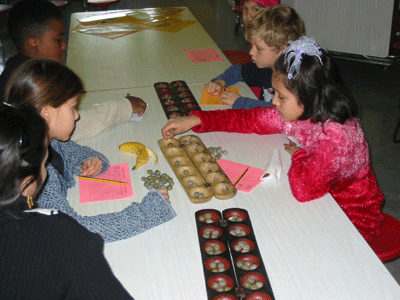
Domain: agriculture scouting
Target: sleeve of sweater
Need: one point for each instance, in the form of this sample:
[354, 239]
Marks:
[231, 75]
[260, 120]
[95, 279]
[136, 218]
[101, 118]
[77, 154]
[313, 172]
[248, 103]
[154, 210]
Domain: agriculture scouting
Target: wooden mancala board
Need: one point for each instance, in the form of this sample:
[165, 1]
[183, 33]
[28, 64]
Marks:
[232, 262]
[197, 170]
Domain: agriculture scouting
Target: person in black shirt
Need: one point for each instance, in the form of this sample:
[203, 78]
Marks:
[44, 254]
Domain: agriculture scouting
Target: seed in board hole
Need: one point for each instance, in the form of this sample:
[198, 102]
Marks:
[246, 265]
[206, 218]
[252, 284]
[211, 250]
[198, 195]
[235, 218]
[242, 247]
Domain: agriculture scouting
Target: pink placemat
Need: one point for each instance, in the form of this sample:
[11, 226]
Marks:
[203, 55]
[94, 191]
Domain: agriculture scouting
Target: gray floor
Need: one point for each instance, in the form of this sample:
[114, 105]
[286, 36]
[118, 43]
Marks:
[375, 87]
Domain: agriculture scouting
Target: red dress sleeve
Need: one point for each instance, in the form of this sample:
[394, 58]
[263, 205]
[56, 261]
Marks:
[260, 120]
[313, 172]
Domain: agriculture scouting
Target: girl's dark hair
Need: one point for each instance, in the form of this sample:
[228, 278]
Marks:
[22, 149]
[319, 87]
[42, 82]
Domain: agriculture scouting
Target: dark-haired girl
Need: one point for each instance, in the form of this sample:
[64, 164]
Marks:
[311, 105]
[54, 90]
[44, 254]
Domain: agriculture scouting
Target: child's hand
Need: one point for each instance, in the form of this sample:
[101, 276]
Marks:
[229, 97]
[291, 147]
[215, 88]
[164, 192]
[138, 105]
[176, 126]
[91, 167]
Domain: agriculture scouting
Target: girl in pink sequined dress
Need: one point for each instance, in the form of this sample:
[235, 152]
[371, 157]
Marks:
[311, 105]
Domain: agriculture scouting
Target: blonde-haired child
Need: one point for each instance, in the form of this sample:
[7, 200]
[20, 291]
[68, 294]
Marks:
[268, 32]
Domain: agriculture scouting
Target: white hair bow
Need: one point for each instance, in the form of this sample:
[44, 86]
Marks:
[304, 45]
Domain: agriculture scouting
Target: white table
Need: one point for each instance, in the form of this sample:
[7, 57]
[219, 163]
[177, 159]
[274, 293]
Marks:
[310, 250]
[140, 59]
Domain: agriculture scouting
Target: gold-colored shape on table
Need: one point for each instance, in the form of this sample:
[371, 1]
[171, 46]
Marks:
[162, 19]
[208, 99]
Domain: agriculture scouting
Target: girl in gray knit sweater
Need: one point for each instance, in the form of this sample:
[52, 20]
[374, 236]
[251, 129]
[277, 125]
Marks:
[54, 90]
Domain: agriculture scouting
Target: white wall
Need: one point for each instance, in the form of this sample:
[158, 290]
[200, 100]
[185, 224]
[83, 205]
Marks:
[350, 26]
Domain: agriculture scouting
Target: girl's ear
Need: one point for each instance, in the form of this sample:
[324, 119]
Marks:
[46, 112]
[25, 186]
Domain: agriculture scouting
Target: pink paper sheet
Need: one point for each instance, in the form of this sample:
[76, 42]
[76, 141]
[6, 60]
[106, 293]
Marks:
[95, 191]
[233, 170]
[203, 55]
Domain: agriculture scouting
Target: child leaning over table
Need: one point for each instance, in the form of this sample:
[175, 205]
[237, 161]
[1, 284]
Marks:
[54, 90]
[269, 32]
[312, 105]
[37, 30]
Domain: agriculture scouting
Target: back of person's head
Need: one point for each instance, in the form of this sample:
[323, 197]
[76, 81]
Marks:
[30, 18]
[309, 72]
[276, 26]
[43, 82]
[22, 149]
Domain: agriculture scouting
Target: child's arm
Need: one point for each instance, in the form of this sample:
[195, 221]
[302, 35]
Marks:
[257, 120]
[260, 120]
[101, 118]
[138, 105]
[229, 77]
[251, 75]
[135, 219]
[291, 147]
[313, 172]
[215, 87]
[229, 97]
[91, 167]
[75, 157]
[176, 126]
